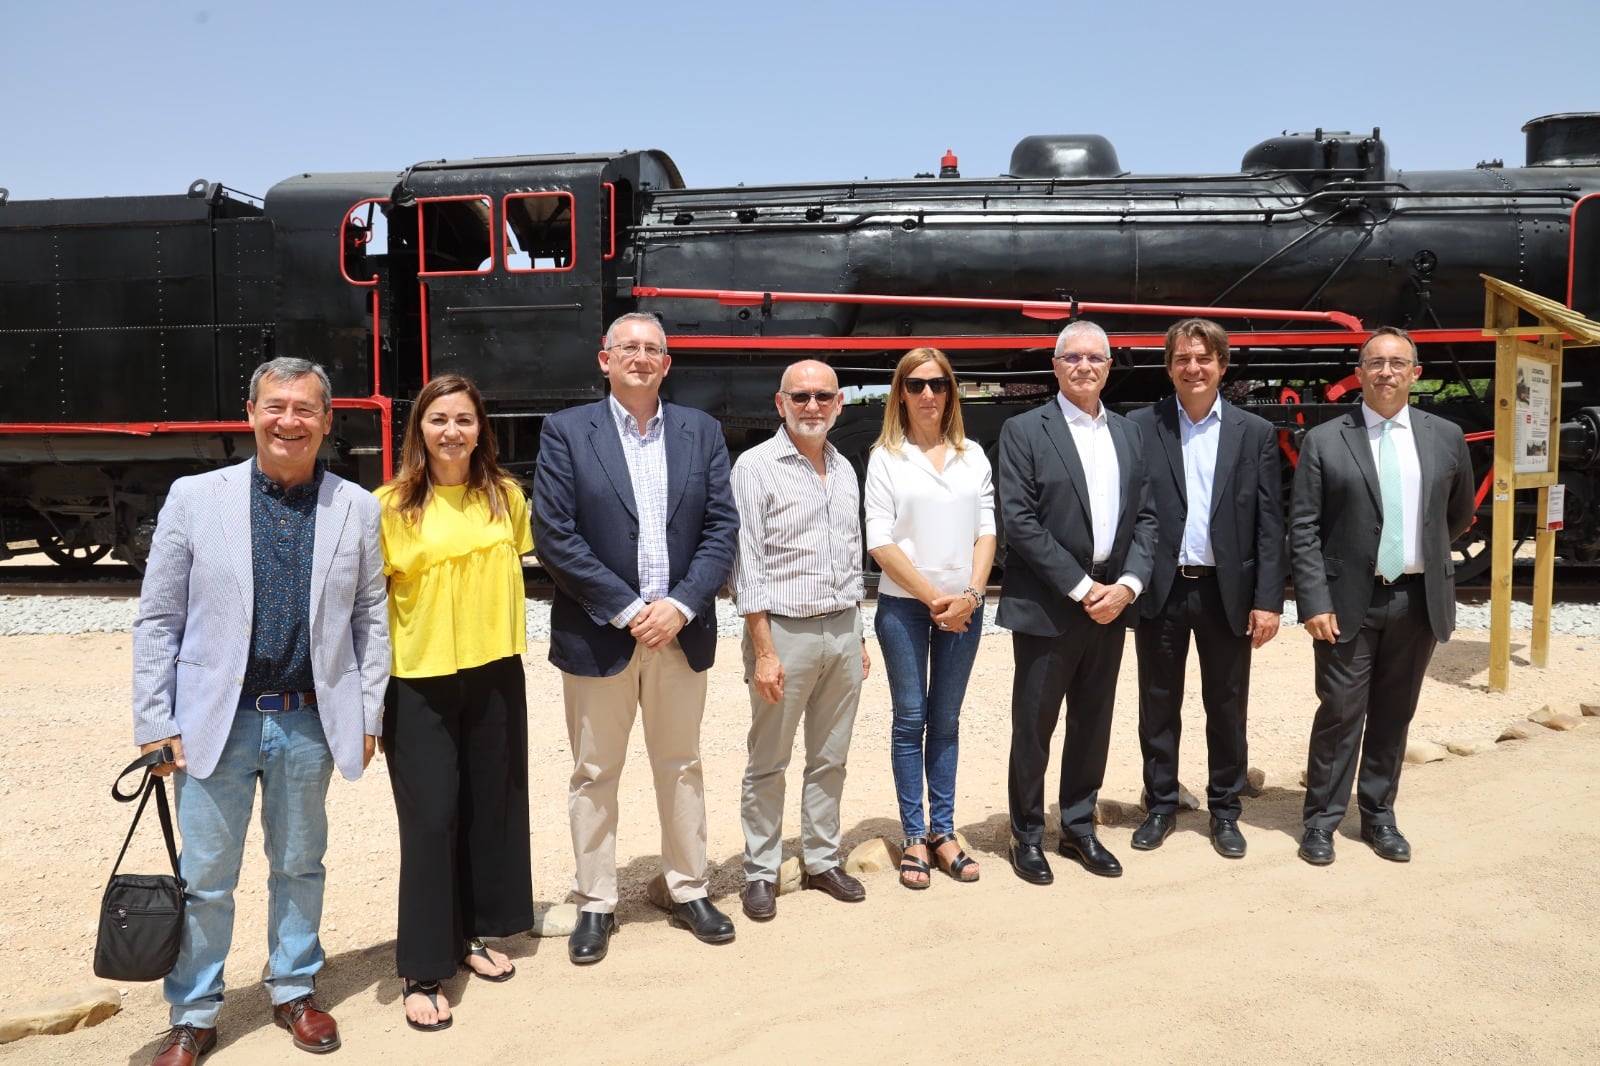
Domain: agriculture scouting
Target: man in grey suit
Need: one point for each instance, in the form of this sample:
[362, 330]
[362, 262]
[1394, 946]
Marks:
[260, 655]
[635, 523]
[1217, 484]
[1079, 535]
[1379, 495]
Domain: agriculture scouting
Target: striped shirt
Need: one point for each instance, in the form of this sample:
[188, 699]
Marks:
[799, 535]
[647, 470]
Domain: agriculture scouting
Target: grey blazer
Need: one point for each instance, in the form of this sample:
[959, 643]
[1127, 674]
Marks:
[1044, 511]
[1336, 514]
[192, 636]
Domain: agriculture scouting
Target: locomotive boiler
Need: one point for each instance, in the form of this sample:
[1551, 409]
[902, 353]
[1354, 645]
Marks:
[129, 326]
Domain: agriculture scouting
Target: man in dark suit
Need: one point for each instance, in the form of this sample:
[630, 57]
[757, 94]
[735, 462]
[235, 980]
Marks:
[635, 523]
[1217, 485]
[1079, 532]
[1379, 496]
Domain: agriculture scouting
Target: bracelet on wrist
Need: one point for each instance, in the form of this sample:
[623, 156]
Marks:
[974, 595]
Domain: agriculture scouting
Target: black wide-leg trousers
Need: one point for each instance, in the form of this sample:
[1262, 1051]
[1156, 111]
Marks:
[457, 748]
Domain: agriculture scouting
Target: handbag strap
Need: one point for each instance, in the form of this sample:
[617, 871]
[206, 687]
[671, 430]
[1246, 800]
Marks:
[150, 784]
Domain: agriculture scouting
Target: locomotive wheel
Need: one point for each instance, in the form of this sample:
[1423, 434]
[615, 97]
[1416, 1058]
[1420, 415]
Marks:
[58, 552]
[1474, 557]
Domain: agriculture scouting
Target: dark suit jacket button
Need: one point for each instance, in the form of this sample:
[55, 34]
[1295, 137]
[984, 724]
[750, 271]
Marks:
[633, 536]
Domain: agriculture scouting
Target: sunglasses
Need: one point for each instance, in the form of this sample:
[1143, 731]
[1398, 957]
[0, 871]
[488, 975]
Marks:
[938, 386]
[803, 399]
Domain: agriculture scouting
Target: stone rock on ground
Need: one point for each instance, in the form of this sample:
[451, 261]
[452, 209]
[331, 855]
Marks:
[871, 857]
[1521, 731]
[1473, 746]
[656, 892]
[559, 919]
[789, 875]
[1561, 721]
[1186, 800]
[61, 1011]
[1255, 778]
[1543, 714]
[1420, 751]
[1590, 710]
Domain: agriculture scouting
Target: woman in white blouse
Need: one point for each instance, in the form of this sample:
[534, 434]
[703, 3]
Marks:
[930, 527]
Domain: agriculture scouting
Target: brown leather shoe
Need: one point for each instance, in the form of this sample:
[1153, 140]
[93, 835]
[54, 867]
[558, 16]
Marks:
[836, 883]
[313, 1028]
[760, 899]
[183, 1045]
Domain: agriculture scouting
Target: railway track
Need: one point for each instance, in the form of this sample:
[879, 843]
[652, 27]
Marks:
[1573, 584]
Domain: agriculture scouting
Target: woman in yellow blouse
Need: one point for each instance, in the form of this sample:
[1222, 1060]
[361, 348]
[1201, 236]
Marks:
[455, 724]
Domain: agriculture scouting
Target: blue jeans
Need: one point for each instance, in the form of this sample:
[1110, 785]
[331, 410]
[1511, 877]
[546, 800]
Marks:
[928, 670]
[287, 752]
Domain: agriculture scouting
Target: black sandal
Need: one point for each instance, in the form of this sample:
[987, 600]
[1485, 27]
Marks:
[958, 867]
[423, 988]
[910, 864]
[477, 950]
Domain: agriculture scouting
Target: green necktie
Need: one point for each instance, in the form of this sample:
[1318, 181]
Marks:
[1392, 541]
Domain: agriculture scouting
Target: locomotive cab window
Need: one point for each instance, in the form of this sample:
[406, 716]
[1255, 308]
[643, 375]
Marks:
[364, 239]
[540, 232]
[454, 235]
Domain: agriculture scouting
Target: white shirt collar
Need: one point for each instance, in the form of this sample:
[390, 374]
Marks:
[1073, 412]
[1373, 419]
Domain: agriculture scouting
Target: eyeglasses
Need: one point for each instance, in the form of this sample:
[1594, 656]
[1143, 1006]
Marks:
[1073, 359]
[937, 386]
[633, 349]
[1399, 365]
[803, 399]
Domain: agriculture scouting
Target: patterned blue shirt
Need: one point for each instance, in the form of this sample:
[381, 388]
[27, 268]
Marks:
[283, 526]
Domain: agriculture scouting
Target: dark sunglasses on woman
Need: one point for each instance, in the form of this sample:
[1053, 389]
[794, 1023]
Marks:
[940, 386]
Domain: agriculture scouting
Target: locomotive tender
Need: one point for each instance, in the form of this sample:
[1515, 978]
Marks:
[129, 326]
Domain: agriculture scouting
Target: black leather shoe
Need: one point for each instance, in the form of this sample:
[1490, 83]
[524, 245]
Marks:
[1316, 847]
[590, 940]
[1091, 853]
[1153, 831]
[760, 899]
[1029, 863]
[836, 883]
[1226, 838]
[703, 920]
[1387, 842]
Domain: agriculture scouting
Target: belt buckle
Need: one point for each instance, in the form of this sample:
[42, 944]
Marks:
[1183, 571]
[282, 697]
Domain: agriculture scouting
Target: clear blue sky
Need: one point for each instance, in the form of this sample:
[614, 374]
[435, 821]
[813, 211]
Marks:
[103, 98]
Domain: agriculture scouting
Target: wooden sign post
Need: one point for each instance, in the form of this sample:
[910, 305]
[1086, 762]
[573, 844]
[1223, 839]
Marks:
[1527, 447]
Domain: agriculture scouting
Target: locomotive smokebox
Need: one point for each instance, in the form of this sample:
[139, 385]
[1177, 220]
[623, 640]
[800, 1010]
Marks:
[1569, 140]
[1065, 155]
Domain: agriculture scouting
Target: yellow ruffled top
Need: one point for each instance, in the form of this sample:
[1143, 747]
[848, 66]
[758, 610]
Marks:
[455, 581]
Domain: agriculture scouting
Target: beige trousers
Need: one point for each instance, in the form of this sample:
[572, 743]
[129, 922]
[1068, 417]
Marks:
[600, 713]
[821, 660]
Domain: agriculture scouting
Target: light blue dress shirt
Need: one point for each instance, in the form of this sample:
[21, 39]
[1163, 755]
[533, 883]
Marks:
[1199, 472]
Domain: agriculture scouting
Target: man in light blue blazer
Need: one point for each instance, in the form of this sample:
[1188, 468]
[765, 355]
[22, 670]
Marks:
[260, 654]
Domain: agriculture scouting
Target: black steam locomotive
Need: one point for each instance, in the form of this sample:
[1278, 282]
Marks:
[129, 326]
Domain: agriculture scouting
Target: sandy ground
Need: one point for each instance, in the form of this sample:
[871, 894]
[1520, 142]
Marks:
[1483, 949]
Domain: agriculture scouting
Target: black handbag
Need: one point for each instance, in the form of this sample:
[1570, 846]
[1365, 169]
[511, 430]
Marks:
[141, 915]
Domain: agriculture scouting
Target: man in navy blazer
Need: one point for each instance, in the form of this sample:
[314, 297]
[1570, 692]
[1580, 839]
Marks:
[260, 656]
[1220, 564]
[1079, 534]
[635, 522]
